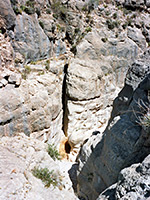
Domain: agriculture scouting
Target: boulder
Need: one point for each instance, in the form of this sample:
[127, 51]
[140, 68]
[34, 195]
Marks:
[133, 183]
[148, 3]
[30, 39]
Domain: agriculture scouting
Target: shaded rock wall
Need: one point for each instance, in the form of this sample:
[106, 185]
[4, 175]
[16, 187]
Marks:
[123, 141]
[133, 183]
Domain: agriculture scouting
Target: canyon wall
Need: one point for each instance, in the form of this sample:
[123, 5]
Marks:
[126, 138]
[62, 71]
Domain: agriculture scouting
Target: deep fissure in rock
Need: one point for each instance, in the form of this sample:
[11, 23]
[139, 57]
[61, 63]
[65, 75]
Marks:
[64, 102]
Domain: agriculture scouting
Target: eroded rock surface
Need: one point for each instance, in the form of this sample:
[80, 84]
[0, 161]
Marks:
[32, 105]
[19, 155]
[124, 140]
[133, 183]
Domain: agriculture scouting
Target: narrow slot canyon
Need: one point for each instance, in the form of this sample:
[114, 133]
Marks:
[75, 99]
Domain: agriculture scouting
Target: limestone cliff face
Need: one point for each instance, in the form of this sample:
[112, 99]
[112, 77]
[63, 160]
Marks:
[125, 140]
[96, 45]
[62, 71]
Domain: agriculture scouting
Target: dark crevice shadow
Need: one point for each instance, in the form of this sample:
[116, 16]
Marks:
[73, 176]
[64, 102]
[123, 143]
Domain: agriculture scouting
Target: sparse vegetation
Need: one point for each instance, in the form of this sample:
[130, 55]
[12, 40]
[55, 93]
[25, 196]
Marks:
[47, 177]
[17, 10]
[59, 9]
[26, 71]
[88, 29]
[48, 11]
[115, 15]
[33, 62]
[112, 24]
[41, 73]
[53, 152]
[41, 24]
[47, 65]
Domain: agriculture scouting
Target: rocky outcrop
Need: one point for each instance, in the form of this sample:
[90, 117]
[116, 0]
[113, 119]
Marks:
[19, 155]
[62, 63]
[124, 140]
[90, 94]
[133, 183]
[29, 38]
[32, 105]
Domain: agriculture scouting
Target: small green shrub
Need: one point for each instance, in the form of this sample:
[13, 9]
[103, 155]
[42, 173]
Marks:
[88, 29]
[41, 24]
[38, 12]
[125, 25]
[26, 71]
[17, 10]
[59, 10]
[47, 65]
[53, 152]
[30, 3]
[33, 62]
[112, 24]
[107, 13]
[115, 15]
[47, 177]
[41, 73]
[48, 11]
[22, 7]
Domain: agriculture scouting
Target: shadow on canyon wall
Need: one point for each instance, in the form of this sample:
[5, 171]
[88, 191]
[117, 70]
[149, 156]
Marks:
[122, 144]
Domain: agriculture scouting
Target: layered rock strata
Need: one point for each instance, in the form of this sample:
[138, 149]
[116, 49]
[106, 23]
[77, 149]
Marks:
[125, 140]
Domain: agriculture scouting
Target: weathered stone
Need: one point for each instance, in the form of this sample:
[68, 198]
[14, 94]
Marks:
[15, 78]
[7, 13]
[88, 94]
[6, 51]
[4, 82]
[32, 46]
[19, 155]
[100, 167]
[32, 107]
[148, 3]
[136, 35]
[133, 183]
